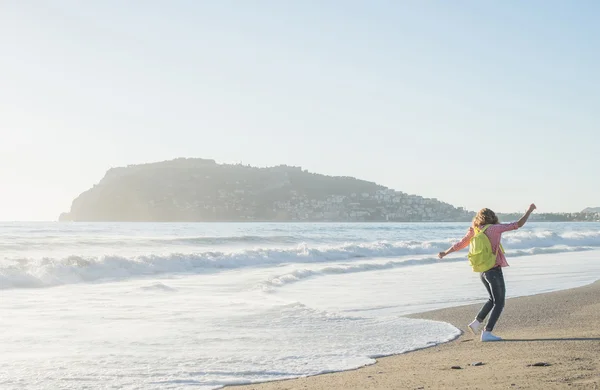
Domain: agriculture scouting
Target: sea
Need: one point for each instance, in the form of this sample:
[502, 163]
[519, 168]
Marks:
[204, 305]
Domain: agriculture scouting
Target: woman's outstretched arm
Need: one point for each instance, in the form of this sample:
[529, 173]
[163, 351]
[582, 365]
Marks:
[459, 245]
[525, 217]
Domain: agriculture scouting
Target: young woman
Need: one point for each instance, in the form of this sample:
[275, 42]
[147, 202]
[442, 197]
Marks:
[493, 279]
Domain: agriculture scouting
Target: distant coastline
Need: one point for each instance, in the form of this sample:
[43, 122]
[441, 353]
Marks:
[200, 190]
[502, 220]
[554, 217]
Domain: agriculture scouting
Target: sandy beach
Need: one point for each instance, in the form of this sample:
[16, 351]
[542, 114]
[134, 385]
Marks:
[559, 329]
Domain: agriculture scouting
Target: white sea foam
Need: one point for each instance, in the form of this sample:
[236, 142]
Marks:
[51, 271]
[160, 287]
[170, 343]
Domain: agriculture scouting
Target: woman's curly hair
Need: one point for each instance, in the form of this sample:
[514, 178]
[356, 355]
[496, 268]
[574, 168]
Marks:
[485, 217]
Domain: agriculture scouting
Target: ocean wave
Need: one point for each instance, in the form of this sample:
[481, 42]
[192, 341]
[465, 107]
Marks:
[524, 239]
[305, 273]
[160, 287]
[301, 274]
[20, 241]
[203, 240]
[517, 240]
[25, 272]
[54, 271]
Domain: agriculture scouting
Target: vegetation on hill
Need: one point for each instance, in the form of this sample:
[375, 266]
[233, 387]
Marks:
[202, 190]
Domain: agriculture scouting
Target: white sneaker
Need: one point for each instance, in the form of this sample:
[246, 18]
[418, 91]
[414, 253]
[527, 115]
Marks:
[474, 327]
[488, 336]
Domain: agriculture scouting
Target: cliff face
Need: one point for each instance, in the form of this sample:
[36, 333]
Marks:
[202, 190]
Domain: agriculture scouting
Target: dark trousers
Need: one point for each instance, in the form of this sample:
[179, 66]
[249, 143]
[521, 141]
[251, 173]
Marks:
[493, 280]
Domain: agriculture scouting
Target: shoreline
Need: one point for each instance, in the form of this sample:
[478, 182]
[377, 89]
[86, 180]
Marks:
[555, 327]
[244, 221]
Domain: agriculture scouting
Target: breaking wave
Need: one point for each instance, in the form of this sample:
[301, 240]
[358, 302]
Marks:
[54, 271]
[305, 273]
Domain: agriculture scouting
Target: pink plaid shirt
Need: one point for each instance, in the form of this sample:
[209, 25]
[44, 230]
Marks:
[494, 233]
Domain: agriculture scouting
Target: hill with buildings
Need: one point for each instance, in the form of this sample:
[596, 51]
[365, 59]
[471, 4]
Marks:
[194, 190]
[591, 210]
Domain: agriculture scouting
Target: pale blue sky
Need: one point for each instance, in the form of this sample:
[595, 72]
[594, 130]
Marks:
[480, 104]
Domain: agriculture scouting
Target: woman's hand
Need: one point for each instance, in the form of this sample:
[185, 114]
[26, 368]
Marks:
[525, 217]
[442, 254]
